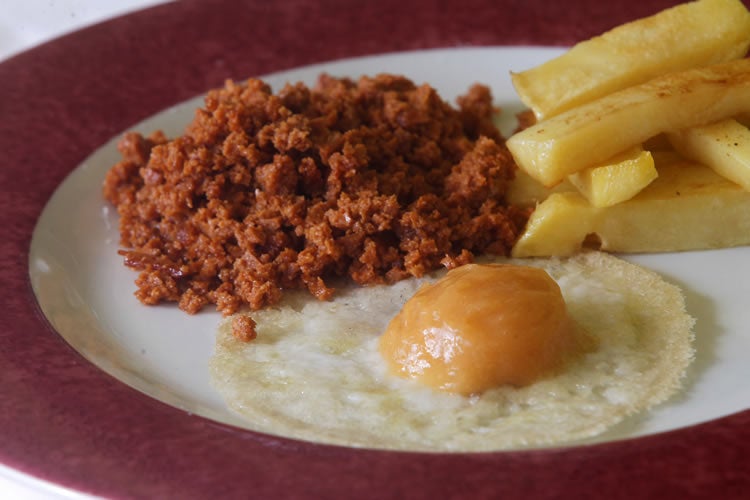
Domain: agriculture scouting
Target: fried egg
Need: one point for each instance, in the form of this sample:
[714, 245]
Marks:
[316, 370]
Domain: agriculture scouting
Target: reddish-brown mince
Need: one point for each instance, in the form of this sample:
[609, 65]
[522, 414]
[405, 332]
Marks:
[376, 180]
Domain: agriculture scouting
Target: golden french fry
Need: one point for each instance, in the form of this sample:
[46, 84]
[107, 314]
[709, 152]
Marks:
[690, 35]
[589, 134]
[687, 207]
[724, 146]
[621, 178]
[527, 192]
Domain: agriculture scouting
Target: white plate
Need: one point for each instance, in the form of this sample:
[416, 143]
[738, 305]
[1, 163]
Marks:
[86, 292]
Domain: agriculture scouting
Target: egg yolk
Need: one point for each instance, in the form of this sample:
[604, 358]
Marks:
[482, 326]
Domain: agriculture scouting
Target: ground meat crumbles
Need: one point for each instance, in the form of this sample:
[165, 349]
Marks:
[375, 180]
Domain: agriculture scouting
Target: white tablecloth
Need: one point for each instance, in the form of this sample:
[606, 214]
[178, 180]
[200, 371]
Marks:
[23, 25]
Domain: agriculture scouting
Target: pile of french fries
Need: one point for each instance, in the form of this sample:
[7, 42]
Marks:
[641, 140]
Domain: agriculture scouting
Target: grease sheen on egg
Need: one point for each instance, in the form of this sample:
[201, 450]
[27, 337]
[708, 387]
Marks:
[482, 326]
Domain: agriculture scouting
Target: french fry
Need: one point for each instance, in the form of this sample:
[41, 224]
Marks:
[688, 207]
[690, 35]
[580, 138]
[724, 146]
[524, 191]
[621, 178]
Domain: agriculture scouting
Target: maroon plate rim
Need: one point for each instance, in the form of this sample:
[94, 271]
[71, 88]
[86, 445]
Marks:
[65, 421]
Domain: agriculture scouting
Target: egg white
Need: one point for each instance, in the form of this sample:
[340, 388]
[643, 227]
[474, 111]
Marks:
[314, 371]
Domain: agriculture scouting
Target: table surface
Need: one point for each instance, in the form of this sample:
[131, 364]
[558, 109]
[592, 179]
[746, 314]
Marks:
[24, 24]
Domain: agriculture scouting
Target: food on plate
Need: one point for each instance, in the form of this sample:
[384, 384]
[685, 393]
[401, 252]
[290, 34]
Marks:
[594, 132]
[693, 34]
[526, 191]
[483, 326]
[724, 146]
[374, 180]
[621, 178]
[269, 201]
[687, 207]
[315, 370]
[648, 95]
